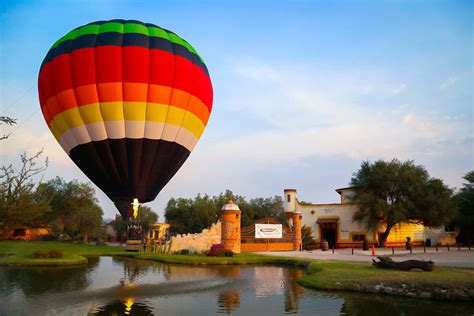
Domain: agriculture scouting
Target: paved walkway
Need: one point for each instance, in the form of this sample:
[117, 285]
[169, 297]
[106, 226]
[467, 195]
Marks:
[442, 257]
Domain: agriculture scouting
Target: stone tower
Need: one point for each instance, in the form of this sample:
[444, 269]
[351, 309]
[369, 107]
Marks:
[289, 204]
[230, 218]
[293, 216]
[297, 217]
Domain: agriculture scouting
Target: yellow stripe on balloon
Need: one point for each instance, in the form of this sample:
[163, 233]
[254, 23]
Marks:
[125, 111]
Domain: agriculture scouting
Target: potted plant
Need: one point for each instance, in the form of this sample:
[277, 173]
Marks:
[365, 245]
[408, 244]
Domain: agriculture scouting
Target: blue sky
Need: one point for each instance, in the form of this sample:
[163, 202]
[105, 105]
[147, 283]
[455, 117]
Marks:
[304, 90]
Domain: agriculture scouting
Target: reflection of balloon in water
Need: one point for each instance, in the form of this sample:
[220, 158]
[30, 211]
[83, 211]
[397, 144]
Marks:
[128, 102]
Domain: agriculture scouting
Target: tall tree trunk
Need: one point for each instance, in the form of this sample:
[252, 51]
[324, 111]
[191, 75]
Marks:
[85, 237]
[384, 236]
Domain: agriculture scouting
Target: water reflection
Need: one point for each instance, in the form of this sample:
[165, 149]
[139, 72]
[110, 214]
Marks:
[127, 307]
[123, 286]
[228, 302]
[41, 280]
[293, 291]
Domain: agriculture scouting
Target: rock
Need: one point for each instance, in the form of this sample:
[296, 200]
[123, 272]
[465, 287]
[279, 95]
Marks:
[389, 290]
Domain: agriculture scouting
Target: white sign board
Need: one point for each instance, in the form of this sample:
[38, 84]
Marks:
[268, 231]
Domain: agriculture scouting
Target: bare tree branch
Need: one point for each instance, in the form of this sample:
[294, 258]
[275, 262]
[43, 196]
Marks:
[9, 121]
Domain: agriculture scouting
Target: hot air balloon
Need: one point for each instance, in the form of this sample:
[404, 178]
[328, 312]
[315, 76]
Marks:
[127, 101]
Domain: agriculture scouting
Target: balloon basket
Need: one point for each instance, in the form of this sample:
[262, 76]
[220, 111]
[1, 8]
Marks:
[134, 245]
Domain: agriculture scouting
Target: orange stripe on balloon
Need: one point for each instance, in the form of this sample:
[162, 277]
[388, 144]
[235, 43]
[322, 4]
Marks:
[87, 94]
[66, 99]
[125, 92]
[159, 94]
[110, 92]
[135, 92]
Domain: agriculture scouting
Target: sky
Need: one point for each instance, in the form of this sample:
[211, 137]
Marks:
[304, 91]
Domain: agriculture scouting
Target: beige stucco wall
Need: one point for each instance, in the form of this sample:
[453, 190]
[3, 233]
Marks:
[347, 195]
[198, 242]
[346, 226]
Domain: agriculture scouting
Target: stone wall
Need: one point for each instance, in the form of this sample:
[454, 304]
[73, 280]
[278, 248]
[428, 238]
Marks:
[198, 242]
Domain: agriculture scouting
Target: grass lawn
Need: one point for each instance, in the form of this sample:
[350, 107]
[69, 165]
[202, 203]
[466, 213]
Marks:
[19, 253]
[442, 283]
[242, 258]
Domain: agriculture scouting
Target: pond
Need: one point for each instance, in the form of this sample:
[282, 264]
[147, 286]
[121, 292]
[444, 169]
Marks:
[122, 286]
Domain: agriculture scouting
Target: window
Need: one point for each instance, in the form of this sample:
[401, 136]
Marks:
[288, 198]
[449, 228]
[358, 237]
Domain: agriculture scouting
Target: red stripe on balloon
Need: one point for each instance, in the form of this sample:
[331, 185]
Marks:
[106, 64]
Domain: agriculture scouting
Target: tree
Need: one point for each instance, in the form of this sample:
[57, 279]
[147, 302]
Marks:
[190, 216]
[74, 208]
[259, 208]
[389, 193]
[194, 215]
[465, 201]
[120, 228]
[147, 216]
[19, 202]
[86, 222]
[6, 120]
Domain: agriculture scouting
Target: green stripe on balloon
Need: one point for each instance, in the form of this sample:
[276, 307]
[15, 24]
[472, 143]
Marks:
[125, 28]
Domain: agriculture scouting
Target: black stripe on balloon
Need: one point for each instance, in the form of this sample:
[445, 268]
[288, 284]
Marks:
[149, 165]
[119, 39]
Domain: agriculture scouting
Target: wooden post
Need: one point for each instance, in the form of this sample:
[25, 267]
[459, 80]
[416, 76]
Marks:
[424, 248]
[352, 250]
[411, 249]
[393, 250]
[332, 248]
[436, 248]
[448, 247]
[459, 248]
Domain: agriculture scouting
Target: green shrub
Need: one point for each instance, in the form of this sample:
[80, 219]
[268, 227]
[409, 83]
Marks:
[43, 254]
[55, 253]
[220, 252]
[229, 253]
[307, 240]
[184, 252]
[40, 254]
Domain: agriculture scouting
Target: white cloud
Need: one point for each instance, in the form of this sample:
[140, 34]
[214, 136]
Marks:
[400, 88]
[330, 114]
[448, 83]
[320, 115]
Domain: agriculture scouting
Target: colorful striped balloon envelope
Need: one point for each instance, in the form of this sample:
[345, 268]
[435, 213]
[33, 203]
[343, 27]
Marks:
[127, 101]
